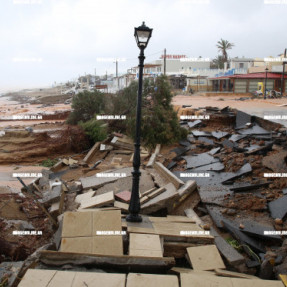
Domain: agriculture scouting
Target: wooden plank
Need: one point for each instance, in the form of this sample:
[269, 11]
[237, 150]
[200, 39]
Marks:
[99, 279]
[144, 199]
[147, 192]
[63, 279]
[177, 249]
[122, 263]
[156, 192]
[255, 283]
[227, 273]
[191, 214]
[98, 200]
[174, 231]
[145, 245]
[36, 187]
[203, 280]
[188, 188]
[77, 245]
[104, 222]
[163, 200]
[205, 258]
[77, 224]
[91, 153]
[123, 206]
[86, 232]
[62, 199]
[39, 278]
[134, 229]
[47, 213]
[179, 270]
[177, 229]
[109, 220]
[108, 245]
[160, 168]
[151, 280]
[85, 196]
[172, 218]
[157, 219]
[175, 218]
[153, 156]
[57, 166]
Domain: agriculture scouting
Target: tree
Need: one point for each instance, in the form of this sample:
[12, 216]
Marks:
[159, 123]
[223, 46]
[218, 62]
[85, 105]
[94, 129]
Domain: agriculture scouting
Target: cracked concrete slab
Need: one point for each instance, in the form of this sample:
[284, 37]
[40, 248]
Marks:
[199, 160]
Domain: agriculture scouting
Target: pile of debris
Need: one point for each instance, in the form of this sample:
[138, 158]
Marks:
[209, 215]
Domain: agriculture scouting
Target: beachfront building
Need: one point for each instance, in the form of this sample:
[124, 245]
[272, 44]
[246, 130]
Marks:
[176, 68]
[247, 83]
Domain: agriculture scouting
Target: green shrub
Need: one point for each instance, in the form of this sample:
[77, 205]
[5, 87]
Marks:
[49, 162]
[94, 129]
[159, 124]
[85, 105]
[234, 243]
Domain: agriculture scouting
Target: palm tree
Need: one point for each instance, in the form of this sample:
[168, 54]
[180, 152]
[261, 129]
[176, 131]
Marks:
[217, 63]
[223, 46]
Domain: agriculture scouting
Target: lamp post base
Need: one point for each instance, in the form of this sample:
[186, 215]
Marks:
[134, 218]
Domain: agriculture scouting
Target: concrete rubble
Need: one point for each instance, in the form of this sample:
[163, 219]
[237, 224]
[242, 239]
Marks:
[210, 217]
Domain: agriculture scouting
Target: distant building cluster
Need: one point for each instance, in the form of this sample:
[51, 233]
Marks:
[191, 74]
[239, 75]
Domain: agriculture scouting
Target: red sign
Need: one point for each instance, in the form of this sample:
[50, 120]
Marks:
[173, 56]
[101, 87]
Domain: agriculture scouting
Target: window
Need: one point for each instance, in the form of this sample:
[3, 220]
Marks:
[241, 65]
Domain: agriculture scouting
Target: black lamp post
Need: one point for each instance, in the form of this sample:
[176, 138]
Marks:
[142, 35]
[266, 70]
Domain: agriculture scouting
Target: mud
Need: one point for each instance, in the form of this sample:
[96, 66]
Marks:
[14, 207]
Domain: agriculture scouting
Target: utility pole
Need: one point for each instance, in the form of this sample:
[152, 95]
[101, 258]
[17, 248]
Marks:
[164, 62]
[117, 73]
[283, 72]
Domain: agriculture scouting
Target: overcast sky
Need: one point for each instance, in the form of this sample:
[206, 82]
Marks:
[57, 40]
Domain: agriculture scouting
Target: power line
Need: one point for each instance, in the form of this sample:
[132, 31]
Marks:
[128, 59]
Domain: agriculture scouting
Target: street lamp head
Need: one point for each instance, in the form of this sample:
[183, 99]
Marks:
[142, 35]
[266, 69]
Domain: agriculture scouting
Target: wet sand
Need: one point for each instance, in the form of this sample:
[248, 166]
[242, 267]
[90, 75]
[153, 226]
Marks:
[7, 179]
[10, 108]
[256, 107]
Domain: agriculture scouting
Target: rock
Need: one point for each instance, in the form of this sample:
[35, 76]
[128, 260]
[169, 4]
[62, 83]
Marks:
[278, 260]
[270, 254]
[241, 226]
[278, 221]
[206, 226]
[231, 212]
[270, 195]
[266, 270]
[278, 227]
[29, 129]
